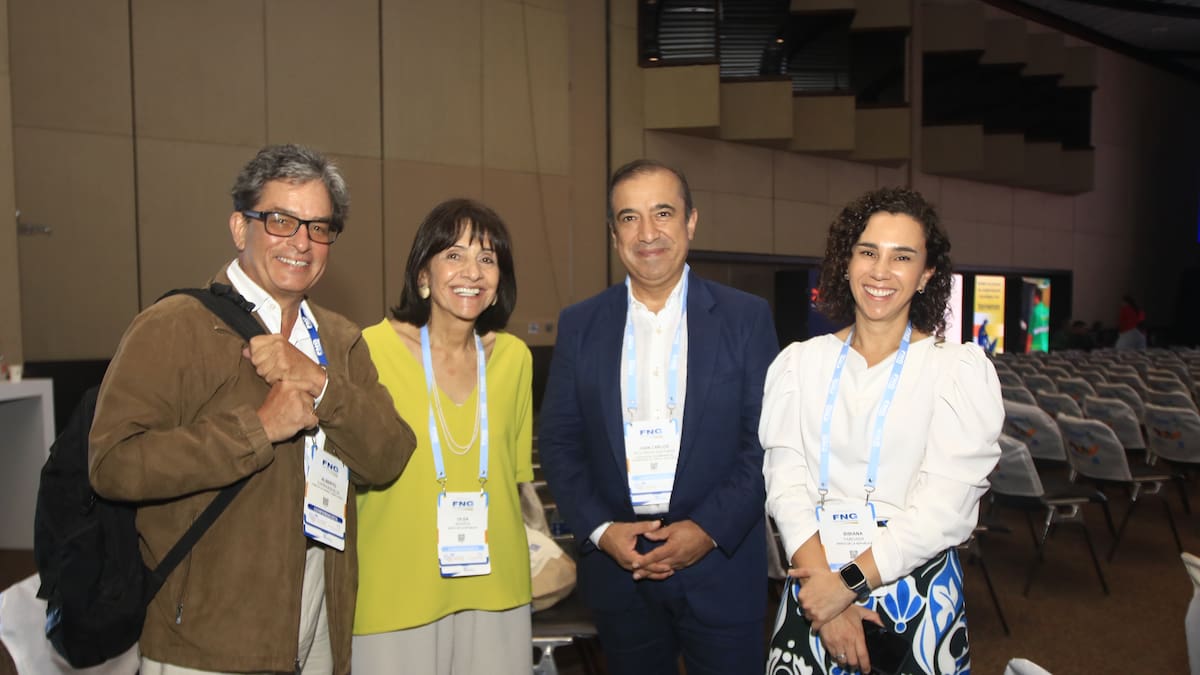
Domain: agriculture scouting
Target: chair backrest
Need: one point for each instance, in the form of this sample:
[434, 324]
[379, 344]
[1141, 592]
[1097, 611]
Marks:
[1015, 473]
[1170, 399]
[1009, 379]
[1075, 387]
[1037, 430]
[1124, 392]
[1054, 403]
[1132, 379]
[1055, 372]
[1019, 394]
[1157, 370]
[1119, 417]
[1093, 449]
[1156, 383]
[1173, 433]
[1093, 375]
[1038, 382]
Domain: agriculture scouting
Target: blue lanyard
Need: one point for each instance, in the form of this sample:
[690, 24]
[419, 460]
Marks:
[316, 339]
[324, 363]
[881, 413]
[435, 440]
[631, 397]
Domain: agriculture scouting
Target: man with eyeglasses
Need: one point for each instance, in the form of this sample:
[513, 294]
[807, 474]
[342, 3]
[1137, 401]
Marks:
[187, 408]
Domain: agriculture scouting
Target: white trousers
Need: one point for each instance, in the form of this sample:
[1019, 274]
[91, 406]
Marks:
[315, 652]
[471, 642]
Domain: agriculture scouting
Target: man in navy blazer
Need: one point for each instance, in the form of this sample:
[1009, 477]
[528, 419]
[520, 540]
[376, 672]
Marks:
[676, 563]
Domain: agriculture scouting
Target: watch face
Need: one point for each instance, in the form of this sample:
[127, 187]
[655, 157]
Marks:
[851, 575]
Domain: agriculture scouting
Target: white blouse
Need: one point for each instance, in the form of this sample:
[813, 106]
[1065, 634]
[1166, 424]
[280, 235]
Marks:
[939, 444]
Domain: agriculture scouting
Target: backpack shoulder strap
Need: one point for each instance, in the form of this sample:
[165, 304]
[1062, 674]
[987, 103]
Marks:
[235, 311]
[228, 305]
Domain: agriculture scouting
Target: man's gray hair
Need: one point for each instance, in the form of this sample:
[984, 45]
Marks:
[294, 164]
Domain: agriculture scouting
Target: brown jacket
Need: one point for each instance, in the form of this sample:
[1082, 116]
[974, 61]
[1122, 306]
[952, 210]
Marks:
[175, 423]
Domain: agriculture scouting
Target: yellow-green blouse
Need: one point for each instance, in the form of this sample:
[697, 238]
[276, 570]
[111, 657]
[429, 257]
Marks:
[399, 584]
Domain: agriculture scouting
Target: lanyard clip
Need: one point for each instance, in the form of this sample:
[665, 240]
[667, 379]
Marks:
[482, 483]
[442, 483]
[868, 489]
[823, 493]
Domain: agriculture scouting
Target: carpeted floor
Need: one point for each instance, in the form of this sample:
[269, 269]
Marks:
[1066, 625]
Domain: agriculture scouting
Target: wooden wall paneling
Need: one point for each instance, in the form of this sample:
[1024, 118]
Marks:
[199, 71]
[823, 124]
[873, 14]
[353, 283]
[433, 81]
[683, 98]
[79, 282]
[951, 150]
[548, 57]
[625, 95]
[799, 177]
[738, 223]
[756, 111]
[882, 134]
[71, 65]
[588, 113]
[800, 228]
[322, 75]
[508, 135]
[11, 341]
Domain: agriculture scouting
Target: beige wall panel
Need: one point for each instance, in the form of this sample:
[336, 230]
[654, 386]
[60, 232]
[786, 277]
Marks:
[1043, 164]
[1079, 67]
[540, 244]
[588, 61]
[736, 223]
[870, 14]
[849, 181]
[1109, 208]
[79, 284]
[970, 200]
[353, 281]
[524, 88]
[756, 110]
[1104, 272]
[682, 97]
[1078, 171]
[822, 124]
[6, 40]
[328, 97]
[549, 60]
[743, 169]
[411, 190]
[553, 5]
[71, 65]
[183, 212]
[432, 80]
[801, 228]
[1005, 41]
[508, 125]
[623, 13]
[696, 157]
[950, 28]
[889, 176]
[1043, 210]
[199, 71]
[1003, 158]
[996, 245]
[802, 178]
[626, 101]
[952, 149]
[10, 277]
[882, 134]
[929, 186]
[1047, 55]
[1042, 249]
[965, 245]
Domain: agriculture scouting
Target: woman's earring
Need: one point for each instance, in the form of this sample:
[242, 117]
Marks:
[921, 290]
[846, 276]
[423, 291]
[494, 299]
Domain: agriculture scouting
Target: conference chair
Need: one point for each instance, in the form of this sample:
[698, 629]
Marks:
[1036, 429]
[1119, 417]
[1054, 404]
[1123, 392]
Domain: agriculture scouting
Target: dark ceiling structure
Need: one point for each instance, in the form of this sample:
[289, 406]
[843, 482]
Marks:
[1165, 33]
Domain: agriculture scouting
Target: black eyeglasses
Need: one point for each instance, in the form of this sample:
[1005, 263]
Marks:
[320, 230]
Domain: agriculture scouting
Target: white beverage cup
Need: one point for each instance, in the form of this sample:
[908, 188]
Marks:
[15, 372]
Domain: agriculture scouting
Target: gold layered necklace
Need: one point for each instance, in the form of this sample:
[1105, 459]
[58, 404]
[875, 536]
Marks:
[455, 447]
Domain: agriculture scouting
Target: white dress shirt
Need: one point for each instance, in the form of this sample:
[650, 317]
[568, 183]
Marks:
[654, 335]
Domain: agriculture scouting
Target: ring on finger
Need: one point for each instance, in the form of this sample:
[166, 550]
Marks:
[840, 657]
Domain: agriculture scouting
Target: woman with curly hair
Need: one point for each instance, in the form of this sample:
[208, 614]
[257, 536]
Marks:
[879, 439]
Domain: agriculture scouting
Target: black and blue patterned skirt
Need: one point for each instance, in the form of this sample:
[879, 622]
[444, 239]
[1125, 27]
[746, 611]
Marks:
[925, 607]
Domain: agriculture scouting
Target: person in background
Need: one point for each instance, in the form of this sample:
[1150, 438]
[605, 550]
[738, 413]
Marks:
[443, 560]
[879, 439]
[647, 439]
[269, 587]
[1129, 325]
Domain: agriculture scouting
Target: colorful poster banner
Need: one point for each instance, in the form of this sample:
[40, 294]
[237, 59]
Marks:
[989, 313]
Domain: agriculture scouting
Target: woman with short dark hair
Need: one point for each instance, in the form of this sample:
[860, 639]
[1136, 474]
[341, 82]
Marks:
[444, 581]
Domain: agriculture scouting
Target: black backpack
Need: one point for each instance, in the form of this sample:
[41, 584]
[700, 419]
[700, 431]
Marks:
[86, 547]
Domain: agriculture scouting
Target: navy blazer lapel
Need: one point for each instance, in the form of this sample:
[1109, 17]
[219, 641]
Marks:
[704, 333]
[610, 332]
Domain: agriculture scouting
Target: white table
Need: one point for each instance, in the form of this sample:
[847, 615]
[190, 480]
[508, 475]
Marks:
[26, 432]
